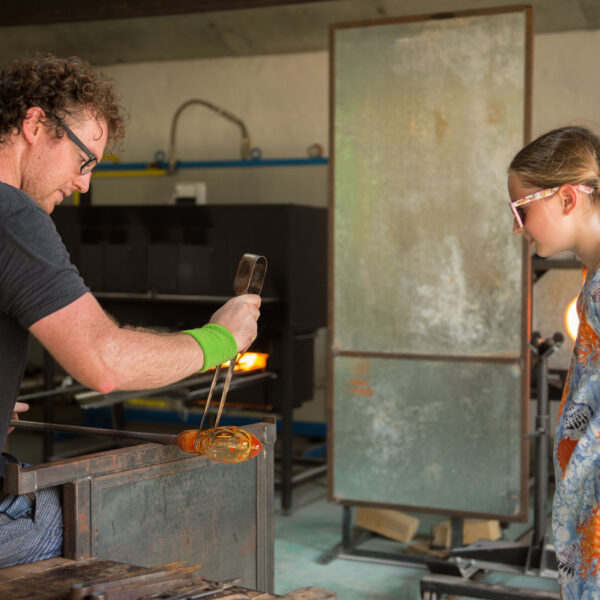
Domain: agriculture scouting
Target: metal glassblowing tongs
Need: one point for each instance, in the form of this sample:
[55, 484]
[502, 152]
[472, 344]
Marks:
[248, 279]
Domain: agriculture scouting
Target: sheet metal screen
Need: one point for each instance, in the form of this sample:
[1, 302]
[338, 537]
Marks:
[428, 315]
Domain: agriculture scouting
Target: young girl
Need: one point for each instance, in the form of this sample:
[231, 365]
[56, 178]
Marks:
[554, 187]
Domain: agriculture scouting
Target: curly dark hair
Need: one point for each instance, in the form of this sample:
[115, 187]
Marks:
[60, 87]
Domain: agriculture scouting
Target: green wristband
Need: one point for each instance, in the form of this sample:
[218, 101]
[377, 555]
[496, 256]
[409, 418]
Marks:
[217, 343]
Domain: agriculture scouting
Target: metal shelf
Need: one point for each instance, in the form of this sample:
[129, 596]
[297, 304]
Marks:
[157, 297]
[544, 264]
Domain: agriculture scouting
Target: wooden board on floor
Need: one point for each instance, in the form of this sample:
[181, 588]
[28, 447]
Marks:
[52, 579]
[29, 569]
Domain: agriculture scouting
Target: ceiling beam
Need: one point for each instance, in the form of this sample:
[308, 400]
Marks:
[40, 12]
[591, 10]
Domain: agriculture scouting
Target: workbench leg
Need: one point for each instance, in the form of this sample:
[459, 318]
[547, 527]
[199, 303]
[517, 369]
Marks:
[456, 532]
[347, 543]
[117, 416]
[287, 421]
[48, 406]
[77, 519]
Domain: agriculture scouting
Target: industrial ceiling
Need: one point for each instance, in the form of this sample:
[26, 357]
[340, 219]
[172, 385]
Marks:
[128, 31]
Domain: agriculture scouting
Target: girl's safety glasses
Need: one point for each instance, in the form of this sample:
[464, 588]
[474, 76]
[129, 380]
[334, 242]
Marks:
[517, 205]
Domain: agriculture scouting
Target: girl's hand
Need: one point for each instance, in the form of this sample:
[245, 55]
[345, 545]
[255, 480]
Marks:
[19, 408]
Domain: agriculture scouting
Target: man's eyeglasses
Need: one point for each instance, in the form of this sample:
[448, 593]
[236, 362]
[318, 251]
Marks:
[517, 205]
[89, 165]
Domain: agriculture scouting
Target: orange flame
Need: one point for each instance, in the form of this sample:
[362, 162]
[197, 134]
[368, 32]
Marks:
[572, 319]
[249, 361]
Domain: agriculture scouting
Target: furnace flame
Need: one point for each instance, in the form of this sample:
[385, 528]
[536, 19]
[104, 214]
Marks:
[572, 319]
[249, 361]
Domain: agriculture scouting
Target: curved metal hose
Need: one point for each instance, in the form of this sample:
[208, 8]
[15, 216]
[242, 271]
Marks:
[245, 143]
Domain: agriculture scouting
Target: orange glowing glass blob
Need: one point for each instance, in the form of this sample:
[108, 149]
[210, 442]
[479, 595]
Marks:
[572, 319]
[221, 444]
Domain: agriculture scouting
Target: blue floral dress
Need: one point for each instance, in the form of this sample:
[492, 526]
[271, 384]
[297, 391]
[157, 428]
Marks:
[576, 506]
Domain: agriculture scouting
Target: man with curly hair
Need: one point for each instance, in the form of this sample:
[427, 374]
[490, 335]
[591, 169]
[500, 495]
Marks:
[56, 116]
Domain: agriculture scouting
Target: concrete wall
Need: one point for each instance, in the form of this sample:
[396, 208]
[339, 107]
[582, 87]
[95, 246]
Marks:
[283, 100]
[566, 80]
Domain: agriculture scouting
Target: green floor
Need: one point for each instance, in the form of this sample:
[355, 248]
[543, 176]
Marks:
[314, 528]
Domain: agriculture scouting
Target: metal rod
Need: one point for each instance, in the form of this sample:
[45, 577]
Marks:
[228, 377]
[309, 474]
[210, 394]
[160, 438]
[59, 391]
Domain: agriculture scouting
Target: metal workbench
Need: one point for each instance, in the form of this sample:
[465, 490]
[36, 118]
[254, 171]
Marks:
[152, 504]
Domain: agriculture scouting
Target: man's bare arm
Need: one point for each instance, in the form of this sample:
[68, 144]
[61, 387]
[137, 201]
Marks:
[99, 354]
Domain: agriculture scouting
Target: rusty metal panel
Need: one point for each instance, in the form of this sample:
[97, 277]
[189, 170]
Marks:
[192, 510]
[428, 283]
[182, 510]
[427, 117]
[417, 433]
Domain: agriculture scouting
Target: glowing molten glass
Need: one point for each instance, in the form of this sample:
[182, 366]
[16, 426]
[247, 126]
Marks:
[221, 444]
[572, 319]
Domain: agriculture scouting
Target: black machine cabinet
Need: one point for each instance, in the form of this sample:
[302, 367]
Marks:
[195, 250]
[173, 266]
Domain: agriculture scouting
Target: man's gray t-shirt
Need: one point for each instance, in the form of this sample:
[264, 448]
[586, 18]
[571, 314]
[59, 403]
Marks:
[36, 279]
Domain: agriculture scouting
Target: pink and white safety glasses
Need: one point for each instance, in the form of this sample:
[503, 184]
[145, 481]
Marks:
[516, 205]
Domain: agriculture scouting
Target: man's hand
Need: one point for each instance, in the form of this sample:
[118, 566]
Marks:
[239, 316]
[19, 408]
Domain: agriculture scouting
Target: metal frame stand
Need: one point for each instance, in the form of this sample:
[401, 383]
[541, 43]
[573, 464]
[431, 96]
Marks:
[530, 557]
[348, 547]
[533, 557]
